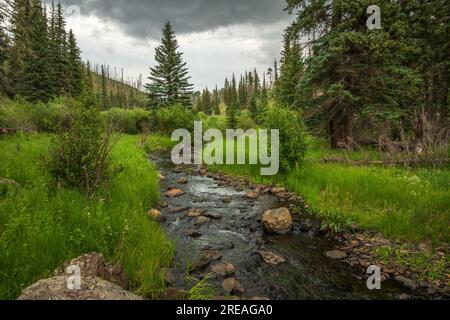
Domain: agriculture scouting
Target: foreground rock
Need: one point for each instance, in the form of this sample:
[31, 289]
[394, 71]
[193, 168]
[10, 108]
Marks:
[99, 281]
[92, 288]
[94, 265]
[278, 221]
[156, 215]
[407, 283]
[271, 258]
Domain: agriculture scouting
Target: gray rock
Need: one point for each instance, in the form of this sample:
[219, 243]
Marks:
[407, 283]
[336, 255]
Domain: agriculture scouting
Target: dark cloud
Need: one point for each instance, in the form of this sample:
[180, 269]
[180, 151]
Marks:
[144, 18]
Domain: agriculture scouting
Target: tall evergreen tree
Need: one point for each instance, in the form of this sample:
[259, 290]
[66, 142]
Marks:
[4, 47]
[36, 84]
[104, 101]
[169, 79]
[75, 67]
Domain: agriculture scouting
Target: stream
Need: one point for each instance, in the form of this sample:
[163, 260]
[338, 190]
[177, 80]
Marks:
[238, 235]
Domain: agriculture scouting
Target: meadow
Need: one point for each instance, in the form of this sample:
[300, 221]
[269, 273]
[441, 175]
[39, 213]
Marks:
[42, 226]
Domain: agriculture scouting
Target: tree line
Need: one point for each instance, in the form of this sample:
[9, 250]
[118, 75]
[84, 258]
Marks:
[40, 59]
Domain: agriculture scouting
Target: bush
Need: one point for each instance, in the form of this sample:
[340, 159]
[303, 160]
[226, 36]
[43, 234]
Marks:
[245, 121]
[292, 134]
[130, 121]
[213, 122]
[79, 155]
[23, 116]
[169, 119]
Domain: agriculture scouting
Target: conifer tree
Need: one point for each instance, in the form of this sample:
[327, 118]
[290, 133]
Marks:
[36, 84]
[233, 107]
[169, 80]
[216, 102]
[4, 47]
[103, 91]
[75, 67]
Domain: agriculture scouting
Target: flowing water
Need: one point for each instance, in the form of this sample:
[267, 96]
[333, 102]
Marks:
[307, 274]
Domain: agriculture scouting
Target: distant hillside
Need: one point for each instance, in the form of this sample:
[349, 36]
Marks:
[120, 93]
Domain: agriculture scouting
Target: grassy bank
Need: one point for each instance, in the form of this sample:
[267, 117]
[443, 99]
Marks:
[41, 228]
[410, 204]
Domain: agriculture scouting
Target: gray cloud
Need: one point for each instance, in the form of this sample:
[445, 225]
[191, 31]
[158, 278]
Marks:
[144, 18]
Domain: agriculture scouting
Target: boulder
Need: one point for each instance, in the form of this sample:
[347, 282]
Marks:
[271, 258]
[156, 215]
[278, 221]
[174, 192]
[94, 265]
[92, 288]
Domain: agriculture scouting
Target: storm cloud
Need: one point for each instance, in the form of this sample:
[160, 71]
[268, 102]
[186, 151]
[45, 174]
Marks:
[218, 37]
[144, 18]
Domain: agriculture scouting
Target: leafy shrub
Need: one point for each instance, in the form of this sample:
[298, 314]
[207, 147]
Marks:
[131, 121]
[213, 122]
[22, 115]
[292, 134]
[245, 121]
[79, 155]
[169, 119]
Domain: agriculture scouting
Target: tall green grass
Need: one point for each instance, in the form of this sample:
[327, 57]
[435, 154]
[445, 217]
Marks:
[412, 204]
[41, 228]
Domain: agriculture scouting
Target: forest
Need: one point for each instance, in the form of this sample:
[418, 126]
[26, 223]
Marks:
[363, 116]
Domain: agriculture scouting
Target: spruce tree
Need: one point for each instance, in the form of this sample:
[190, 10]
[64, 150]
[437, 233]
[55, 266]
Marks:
[4, 47]
[104, 102]
[216, 102]
[75, 67]
[169, 80]
[36, 84]
[233, 107]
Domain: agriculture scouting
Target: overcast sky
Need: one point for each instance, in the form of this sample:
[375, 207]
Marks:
[218, 37]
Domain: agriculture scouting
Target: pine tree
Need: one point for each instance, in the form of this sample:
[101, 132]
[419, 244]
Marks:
[36, 84]
[206, 102]
[104, 101]
[59, 38]
[75, 67]
[20, 45]
[264, 99]
[216, 102]
[242, 92]
[233, 107]
[169, 80]
[4, 48]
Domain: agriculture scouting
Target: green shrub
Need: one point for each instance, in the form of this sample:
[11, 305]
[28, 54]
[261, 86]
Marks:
[245, 121]
[22, 115]
[79, 155]
[130, 121]
[213, 122]
[292, 135]
[169, 119]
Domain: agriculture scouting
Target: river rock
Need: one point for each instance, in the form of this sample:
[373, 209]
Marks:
[174, 192]
[223, 270]
[227, 200]
[252, 195]
[277, 190]
[171, 276]
[336, 255]
[205, 258]
[177, 209]
[232, 285]
[94, 265]
[271, 258]
[277, 221]
[182, 180]
[197, 212]
[194, 234]
[157, 215]
[202, 220]
[92, 288]
[214, 216]
[407, 283]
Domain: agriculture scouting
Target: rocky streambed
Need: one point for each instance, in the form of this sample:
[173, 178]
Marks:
[220, 227]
